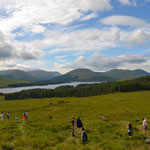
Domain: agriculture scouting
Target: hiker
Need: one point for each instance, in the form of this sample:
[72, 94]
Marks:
[73, 126]
[24, 117]
[79, 125]
[2, 116]
[16, 119]
[144, 124]
[8, 116]
[130, 130]
[83, 136]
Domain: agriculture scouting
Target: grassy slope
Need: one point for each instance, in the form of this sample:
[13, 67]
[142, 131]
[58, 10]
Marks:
[4, 82]
[49, 125]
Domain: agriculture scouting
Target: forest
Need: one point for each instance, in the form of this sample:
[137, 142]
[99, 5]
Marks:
[84, 90]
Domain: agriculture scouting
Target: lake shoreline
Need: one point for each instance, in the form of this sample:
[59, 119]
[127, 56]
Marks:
[50, 86]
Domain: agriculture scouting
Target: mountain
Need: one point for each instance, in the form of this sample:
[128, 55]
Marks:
[80, 75]
[37, 75]
[44, 75]
[17, 74]
[86, 75]
[125, 74]
[142, 72]
[40, 77]
[5, 82]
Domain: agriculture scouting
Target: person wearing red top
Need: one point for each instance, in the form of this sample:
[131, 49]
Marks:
[24, 117]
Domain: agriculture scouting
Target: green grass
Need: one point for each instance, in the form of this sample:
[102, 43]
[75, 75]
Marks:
[5, 82]
[49, 122]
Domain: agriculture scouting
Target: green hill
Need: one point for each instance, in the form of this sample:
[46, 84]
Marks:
[125, 74]
[37, 75]
[43, 75]
[78, 75]
[104, 117]
[5, 82]
[86, 75]
[17, 74]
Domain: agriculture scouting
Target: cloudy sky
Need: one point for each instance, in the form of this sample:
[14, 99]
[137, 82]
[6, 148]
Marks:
[62, 35]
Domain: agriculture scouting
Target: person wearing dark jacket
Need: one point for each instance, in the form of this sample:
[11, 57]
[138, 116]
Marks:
[79, 125]
[84, 137]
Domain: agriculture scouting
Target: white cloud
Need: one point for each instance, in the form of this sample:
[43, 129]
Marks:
[7, 64]
[128, 2]
[138, 36]
[118, 20]
[33, 13]
[18, 50]
[82, 40]
[90, 16]
[99, 62]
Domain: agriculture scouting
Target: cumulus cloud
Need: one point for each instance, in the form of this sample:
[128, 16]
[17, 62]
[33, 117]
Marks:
[7, 64]
[100, 62]
[6, 49]
[18, 50]
[138, 36]
[118, 20]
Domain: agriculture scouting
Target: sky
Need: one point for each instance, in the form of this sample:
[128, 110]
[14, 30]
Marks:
[63, 35]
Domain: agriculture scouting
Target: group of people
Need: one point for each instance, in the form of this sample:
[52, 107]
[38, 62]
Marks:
[80, 129]
[25, 116]
[130, 128]
[77, 124]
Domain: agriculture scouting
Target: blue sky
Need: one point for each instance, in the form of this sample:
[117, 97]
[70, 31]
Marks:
[60, 35]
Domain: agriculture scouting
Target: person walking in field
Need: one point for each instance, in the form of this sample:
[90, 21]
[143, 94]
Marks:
[144, 124]
[2, 116]
[84, 137]
[79, 125]
[16, 119]
[8, 116]
[24, 117]
[130, 130]
[73, 126]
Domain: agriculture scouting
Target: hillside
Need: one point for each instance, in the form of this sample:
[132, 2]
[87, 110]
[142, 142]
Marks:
[125, 74]
[87, 75]
[104, 117]
[17, 74]
[37, 75]
[78, 75]
[5, 82]
[43, 75]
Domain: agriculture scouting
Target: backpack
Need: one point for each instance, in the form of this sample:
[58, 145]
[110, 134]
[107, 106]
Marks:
[79, 124]
[85, 136]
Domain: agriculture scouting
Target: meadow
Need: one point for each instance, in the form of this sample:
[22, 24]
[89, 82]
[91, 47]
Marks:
[104, 117]
[5, 82]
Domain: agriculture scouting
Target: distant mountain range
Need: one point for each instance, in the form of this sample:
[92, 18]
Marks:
[86, 75]
[37, 75]
[41, 77]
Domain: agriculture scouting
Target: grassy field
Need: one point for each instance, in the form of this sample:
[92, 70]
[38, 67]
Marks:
[4, 82]
[48, 127]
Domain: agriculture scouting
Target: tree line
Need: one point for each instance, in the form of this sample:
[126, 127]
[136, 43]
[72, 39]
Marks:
[84, 90]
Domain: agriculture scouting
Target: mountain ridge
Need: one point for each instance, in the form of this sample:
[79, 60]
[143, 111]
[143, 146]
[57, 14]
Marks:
[35, 75]
[77, 75]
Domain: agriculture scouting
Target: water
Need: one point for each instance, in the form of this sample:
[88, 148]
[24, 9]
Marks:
[51, 86]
